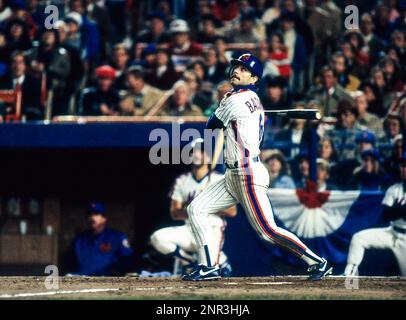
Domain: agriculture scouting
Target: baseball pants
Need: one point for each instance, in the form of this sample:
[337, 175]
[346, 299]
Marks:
[247, 186]
[377, 238]
[167, 240]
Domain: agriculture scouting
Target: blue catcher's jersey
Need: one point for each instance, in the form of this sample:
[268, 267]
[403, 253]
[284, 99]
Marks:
[105, 254]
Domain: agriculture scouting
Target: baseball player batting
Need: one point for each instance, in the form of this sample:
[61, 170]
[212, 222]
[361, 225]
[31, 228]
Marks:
[241, 115]
[390, 238]
[179, 241]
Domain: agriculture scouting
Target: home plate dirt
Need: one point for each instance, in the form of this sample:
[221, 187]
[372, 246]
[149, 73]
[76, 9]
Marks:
[231, 288]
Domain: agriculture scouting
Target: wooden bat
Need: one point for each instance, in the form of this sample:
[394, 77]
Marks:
[309, 114]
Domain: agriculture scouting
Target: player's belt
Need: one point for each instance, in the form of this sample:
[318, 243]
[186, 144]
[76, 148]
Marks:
[399, 230]
[238, 164]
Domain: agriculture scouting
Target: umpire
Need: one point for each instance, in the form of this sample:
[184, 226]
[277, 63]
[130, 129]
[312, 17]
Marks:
[99, 251]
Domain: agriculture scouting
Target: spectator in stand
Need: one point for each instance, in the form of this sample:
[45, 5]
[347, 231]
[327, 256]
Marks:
[323, 176]
[99, 251]
[359, 62]
[226, 10]
[398, 41]
[74, 80]
[342, 170]
[276, 96]
[393, 127]
[120, 62]
[19, 10]
[53, 61]
[222, 89]
[380, 83]
[98, 12]
[297, 55]
[140, 97]
[208, 32]
[147, 60]
[200, 91]
[373, 97]
[348, 81]
[220, 44]
[216, 70]
[402, 112]
[365, 140]
[156, 31]
[164, 6]
[365, 118]
[83, 33]
[318, 21]
[103, 99]
[4, 54]
[392, 74]
[400, 22]
[344, 133]
[327, 151]
[163, 74]
[19, 79]
[370, 176]
[246, 33]
[353, 64]
[278, 169]
[17, 35]
[180, 103]
[391, 163]
[293, 134]
[383, 25]
[271, 13]
[329, 93]
[301, 169]
[182, 49]
[335, 24]
[374, 46]
[279, 56]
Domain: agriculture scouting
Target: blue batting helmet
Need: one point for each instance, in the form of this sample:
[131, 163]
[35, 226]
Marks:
[250, 62]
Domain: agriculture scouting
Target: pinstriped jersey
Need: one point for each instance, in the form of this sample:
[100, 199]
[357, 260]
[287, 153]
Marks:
[243, 116]
[186, 188]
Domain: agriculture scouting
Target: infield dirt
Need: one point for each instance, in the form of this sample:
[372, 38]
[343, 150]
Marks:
[230, 288]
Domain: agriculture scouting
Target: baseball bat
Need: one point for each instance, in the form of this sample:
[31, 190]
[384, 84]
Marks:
[309, 114]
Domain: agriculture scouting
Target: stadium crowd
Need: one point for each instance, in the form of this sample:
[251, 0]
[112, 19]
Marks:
[170, 58]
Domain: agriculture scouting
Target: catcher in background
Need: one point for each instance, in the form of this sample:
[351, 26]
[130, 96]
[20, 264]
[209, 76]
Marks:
[179, 241]
[392, 237]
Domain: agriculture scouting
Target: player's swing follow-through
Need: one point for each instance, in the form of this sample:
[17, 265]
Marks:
[241, 116]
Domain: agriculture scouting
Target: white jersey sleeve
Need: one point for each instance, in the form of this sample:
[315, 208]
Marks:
[394, 193]
[176, 192]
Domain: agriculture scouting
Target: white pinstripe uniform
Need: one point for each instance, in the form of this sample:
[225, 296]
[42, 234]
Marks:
[167, 240]
[243, 117]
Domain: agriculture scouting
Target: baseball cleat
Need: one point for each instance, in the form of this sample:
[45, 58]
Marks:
[202, 273]
[320, 270]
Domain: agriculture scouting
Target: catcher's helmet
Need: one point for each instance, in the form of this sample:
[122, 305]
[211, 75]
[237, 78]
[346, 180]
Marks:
[250, 62]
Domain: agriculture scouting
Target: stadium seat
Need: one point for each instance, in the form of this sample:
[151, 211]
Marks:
[12, 99]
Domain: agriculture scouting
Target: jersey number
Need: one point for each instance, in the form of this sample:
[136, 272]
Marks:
[261, 128]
